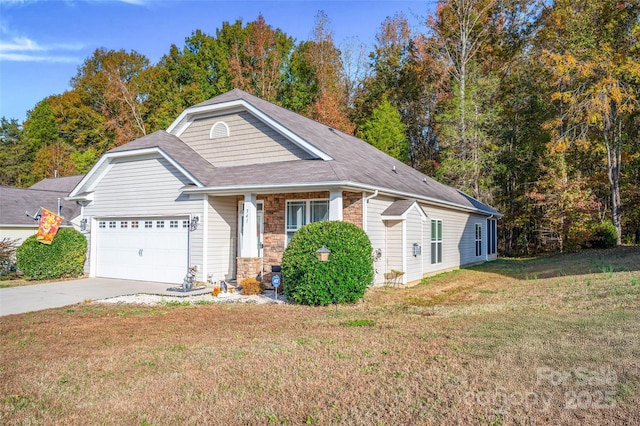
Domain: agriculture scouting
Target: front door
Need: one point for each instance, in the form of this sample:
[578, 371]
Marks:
[259, 228]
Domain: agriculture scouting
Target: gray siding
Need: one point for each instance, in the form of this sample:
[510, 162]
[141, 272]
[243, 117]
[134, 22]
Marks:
[413, 235]
[250, 142]
[156, 192]
[458, 238]
[376, 230]
[394, 245]
[222, 224]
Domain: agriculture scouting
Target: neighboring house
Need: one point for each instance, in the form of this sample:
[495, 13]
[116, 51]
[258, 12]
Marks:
[18, 206]
[231, 180]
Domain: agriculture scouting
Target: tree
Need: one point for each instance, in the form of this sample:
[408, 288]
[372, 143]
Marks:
[591, 55]
[385, 131]
[111, 83]
[257, 59]
[14, 153]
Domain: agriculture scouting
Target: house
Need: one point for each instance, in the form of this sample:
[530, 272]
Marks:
[18, 206]
[233, 178]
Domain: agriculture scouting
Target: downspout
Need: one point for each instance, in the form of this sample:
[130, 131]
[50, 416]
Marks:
[365, 200]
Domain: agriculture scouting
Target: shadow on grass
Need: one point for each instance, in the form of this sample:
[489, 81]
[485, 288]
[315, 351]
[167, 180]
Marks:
[620, 259]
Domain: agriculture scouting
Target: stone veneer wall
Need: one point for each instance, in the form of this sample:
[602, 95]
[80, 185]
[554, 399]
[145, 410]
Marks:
[274, 231]
[352, 208]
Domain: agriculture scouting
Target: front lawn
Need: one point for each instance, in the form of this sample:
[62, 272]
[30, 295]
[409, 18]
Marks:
[536, 341]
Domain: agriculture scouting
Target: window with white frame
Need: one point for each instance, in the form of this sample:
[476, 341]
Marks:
[492, 237]
[219, 130]
[436, 241]
[300, 212]
[478, 239]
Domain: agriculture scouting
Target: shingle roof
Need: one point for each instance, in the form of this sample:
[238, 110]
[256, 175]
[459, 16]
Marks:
[398, 207]
[354, 160]
[200, 168]
[61, 184]
[17, 201]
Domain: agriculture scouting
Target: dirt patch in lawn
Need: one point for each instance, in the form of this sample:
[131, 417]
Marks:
[488, 345]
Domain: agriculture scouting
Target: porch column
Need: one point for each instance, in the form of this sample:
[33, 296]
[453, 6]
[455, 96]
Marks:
[335, 205]
[250, 227]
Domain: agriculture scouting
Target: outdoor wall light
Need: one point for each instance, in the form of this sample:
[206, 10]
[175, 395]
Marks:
[194, 222]
[83, 224]
[323, 254]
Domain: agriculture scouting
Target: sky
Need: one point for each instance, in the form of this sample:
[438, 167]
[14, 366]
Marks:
[43, 42]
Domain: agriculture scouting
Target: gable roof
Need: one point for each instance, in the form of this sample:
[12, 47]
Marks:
[16, 202]
[189, 162]
[340, 160]
[354, 161]
[61, 184]
[399, 208]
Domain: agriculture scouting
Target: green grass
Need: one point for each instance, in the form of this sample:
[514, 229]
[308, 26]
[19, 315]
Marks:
[442, 352]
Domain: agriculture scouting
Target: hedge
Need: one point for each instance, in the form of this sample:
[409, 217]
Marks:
[63, 258]
[342, 279]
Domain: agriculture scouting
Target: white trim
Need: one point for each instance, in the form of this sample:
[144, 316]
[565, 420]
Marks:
[204, 223]
[93, 249]
[307, 214]
[404, 251]
[335, 205]
[223, 124]
[441, 241]
[475, 238]
[324, 186]
[110, 157]
[190, 114]
[250, 226]
[403, 216]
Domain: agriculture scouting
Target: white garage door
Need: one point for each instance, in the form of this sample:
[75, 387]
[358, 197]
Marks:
[145, 249]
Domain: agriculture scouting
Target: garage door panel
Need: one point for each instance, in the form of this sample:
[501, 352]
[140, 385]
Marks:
[147, 249]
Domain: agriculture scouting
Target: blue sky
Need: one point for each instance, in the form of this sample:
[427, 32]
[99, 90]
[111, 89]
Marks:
[42, 42]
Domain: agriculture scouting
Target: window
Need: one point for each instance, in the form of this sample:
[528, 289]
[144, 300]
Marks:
[436, 241]
[219, 130]
[148, 224]
[112, 224]
[173, 224]
[124, 224]
[102, 224]
[185, 223]
[160, 224]
[492, 237]
[134, 223]
[301, 212]
[478, 239]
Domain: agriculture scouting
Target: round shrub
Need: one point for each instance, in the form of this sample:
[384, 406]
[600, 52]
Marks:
[605, 235]
[63, 258]
[342, 279]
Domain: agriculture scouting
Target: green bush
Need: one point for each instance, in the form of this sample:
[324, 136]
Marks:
[63, 258]
[605, 235]
[343, 279]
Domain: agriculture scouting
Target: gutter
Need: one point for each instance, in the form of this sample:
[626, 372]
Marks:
[365, 201]
[325, 186]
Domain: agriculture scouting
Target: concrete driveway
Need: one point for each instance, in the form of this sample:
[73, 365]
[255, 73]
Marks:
[17, 300]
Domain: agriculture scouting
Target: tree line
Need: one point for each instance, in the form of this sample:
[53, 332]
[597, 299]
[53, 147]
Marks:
[530, 106]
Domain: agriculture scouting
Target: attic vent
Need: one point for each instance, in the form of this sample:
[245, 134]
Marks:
[219, 130]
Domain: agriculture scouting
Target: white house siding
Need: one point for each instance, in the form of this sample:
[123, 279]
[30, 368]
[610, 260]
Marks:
[414, 232]
[222, 217]
[144, 187]
[250, 141]
[394, 245]
[19, 233]
[458, 238]
[376, 230]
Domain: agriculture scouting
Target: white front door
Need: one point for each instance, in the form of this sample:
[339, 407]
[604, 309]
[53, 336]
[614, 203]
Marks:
[259, 228]
[143, 249]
